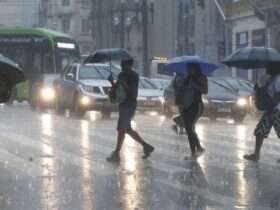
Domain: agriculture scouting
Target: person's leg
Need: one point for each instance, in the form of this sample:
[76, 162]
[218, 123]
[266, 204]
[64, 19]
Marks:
[199, 148]
[261, 132]
[147, 148]
[115, 156]
[188, 118]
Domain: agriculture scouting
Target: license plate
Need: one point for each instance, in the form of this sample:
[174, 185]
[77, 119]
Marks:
[227, 110]
[149, 103]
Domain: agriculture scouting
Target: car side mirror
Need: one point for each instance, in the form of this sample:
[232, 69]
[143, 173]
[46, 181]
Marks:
[69, 76]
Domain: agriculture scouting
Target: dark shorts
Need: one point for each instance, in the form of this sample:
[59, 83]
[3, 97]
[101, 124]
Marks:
[268, 120]
[126, 114]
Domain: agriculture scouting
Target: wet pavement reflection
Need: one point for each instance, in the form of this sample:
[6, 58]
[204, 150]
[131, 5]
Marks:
[52, 162]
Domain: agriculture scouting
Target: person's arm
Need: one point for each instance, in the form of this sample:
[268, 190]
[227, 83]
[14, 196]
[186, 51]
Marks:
[201, 85]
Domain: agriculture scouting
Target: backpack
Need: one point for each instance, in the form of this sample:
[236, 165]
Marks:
[263, 101]
[184, 96]
[117, 94]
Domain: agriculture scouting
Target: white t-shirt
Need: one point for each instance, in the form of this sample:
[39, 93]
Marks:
[274, 88]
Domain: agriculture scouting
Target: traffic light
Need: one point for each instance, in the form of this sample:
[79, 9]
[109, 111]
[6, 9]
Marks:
[201, 3]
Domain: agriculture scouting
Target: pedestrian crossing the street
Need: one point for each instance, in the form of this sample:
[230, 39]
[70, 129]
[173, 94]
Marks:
[70, 156]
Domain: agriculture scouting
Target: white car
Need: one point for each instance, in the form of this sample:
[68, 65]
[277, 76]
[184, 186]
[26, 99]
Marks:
[150, 98]
[84, 87]
[161, 83]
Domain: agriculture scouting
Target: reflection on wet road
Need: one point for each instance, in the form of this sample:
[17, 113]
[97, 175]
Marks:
[51, 162]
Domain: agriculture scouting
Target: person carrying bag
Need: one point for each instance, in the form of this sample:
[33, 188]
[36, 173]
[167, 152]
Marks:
[189, 100]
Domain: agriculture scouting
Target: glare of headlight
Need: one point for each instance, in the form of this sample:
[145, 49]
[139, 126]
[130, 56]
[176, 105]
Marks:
[48, 94]
[85, 100]
[205, 100]
[242, 102]
[162, 100]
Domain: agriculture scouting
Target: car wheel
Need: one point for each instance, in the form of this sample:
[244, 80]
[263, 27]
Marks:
[77, 110]
[239, 118]
[106, 114]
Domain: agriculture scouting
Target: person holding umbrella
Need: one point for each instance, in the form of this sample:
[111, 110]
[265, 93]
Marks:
[191, 107]
[129, 79]
[269, 102]
[188, 97]
[267, 96]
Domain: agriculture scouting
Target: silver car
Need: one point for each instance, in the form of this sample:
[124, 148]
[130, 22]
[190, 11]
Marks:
[84, 87]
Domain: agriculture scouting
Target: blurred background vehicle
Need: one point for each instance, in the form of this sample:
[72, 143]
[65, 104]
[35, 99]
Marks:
[221, 102]
[43, 93]
[150, 98]
[84, 87]
[37, 51]
[161, 83]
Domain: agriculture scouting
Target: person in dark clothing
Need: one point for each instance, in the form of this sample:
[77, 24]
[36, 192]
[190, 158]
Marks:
[129, 79]
[271, 117]
[178, 127]
[198, 82]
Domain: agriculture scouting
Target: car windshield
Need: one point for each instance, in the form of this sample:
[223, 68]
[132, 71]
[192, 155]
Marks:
[235, 84]
[89, 72]
[146, 84]
[214, 87]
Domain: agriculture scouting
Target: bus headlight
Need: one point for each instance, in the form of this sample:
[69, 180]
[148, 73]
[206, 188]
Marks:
[47, 94]
[242, 102]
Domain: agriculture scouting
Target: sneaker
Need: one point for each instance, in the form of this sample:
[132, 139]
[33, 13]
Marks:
[114, 157]
[148, 151]
[252, 157]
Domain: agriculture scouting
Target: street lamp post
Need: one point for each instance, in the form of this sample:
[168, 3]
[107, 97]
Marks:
[122, 24]
[145, 18]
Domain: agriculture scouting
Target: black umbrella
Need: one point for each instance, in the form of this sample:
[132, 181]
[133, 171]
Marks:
[253, 58]
[108, 55]
[10, 71]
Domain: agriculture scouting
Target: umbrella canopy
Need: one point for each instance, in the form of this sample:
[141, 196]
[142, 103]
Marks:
[179, 64]
[253, 58]
[108, 55]
[10, 71]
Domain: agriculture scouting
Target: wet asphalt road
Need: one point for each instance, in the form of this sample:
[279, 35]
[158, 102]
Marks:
[52, 162]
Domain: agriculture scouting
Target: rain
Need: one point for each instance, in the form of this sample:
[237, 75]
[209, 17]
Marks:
[139, 105]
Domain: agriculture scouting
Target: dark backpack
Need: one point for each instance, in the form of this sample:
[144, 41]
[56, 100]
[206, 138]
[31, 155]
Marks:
[263, 101]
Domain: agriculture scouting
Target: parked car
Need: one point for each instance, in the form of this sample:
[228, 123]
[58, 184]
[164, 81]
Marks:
[150, 98]
[220, 102]
[84, 87]
[161, 83]
[42, 92]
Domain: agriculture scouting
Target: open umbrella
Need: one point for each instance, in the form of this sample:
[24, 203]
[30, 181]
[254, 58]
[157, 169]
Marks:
[10, 71]
[179, 64]
[108, 55]
[253, 58]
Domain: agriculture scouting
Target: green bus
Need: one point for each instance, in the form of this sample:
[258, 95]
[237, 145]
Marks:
[38, 51]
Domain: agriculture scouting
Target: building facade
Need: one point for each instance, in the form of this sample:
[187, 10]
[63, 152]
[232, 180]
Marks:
[71, 17]
[253, 24]
[201, 31]
[19, 13]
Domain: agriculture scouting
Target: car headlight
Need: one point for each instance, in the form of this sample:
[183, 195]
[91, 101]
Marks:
[242, 102]
[85, 101]
[87, 88]
[205, 100]
[47, 94]
[162, 99]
